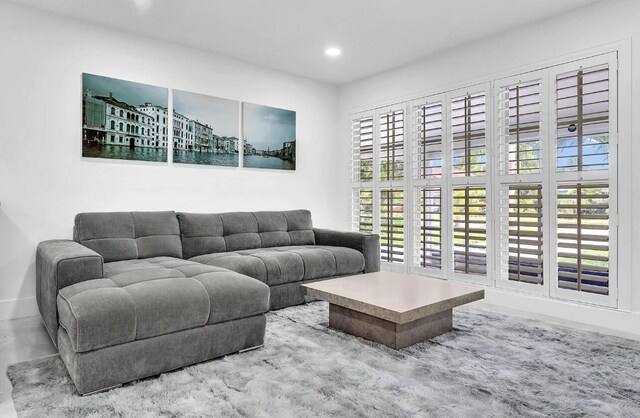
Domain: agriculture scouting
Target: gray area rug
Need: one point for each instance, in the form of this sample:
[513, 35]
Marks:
[490, 365]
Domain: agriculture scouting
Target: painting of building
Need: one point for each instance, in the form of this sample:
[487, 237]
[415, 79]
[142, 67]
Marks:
[123, 120]
[269, 137]
[205, 129]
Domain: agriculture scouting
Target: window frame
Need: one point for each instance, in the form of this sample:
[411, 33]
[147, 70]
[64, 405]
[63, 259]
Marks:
[376, 184]
[503, 181]
[609, 176]
[417, 183]
[472, 181]
[614, 53]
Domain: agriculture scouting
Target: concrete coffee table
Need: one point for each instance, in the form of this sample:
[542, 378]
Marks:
[394, 309]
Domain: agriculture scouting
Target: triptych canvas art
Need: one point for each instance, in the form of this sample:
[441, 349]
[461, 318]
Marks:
[131, 121]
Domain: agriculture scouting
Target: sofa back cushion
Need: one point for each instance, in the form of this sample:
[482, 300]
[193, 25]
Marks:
[129, 235]
[234, 231]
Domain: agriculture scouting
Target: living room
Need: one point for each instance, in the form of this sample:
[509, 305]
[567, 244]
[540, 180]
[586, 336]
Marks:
[473, 159]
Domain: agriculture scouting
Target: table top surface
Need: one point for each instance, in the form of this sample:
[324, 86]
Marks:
[396, 297]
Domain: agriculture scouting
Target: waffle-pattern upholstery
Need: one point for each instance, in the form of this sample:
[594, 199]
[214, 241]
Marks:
[129, 235]
[139, 299]
[236, 231]
[141, 293]
[281, 265]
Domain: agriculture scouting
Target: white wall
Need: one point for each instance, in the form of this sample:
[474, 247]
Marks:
[44, 181]
[528, 48]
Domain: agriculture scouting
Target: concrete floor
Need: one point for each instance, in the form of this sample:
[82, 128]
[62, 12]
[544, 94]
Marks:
[20, 340]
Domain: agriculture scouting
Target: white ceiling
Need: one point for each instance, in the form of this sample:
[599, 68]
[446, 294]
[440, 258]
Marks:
[291, 35]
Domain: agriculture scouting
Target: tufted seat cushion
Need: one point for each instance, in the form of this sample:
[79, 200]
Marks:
[139, 299]
[280, 265]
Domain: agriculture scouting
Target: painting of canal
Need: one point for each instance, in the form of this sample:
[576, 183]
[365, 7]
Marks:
[205, 129]
[269, 137]
[123, 120]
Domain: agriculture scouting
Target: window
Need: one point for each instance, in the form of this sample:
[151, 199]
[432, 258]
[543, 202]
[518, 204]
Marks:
[430, 228]
[585, 125]
[392, 146]
[429, 124]
[427, 134]
[469, 140]
[524, 165]
[521, 116]
[470, 230]
[583, 237]
[113, 125]
[522, 234]
[392, 225]
[377, 176]
[520, 119]
[582, 107]
[362, 152]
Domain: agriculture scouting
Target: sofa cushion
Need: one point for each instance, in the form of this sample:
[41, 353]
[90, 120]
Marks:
[140, 299]
[250, 266]
[348, 260]
[129, 235]
[233, 295]
[288, 264]
[110, 234]
[318, 262]
[236, 231]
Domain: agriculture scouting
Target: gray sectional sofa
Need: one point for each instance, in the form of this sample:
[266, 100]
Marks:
[136, 294]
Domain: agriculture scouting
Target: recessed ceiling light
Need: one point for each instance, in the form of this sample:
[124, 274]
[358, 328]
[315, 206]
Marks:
[332, 52]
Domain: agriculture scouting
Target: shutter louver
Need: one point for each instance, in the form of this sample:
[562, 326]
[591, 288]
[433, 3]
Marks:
[520, 122]
[470, 230]
[392, 146]
[468, 125]
[392, 225]
[582, 105]
[583, 237]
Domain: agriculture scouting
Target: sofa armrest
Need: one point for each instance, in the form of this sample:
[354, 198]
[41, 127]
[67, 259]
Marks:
[61, 263]
[367, 244]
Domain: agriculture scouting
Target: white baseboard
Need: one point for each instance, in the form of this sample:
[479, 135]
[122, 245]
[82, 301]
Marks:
[18, 308]
[587, 317]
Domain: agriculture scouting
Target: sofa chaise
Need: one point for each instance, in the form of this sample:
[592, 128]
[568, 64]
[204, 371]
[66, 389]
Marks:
[136, 294]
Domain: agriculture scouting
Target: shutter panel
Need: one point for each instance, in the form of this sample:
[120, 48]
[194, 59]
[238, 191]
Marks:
[582, 105]
[521, 234]
[392, 146]
[428, 131]
[468, 125]
[470, 230]
[430, 227]
[520, 122]
[362, 150]
[362, 210]
[583, 237]
[392, 225]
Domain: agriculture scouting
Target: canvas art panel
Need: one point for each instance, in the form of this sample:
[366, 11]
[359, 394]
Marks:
[123, 120]
[205, 129]
[269, 135]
